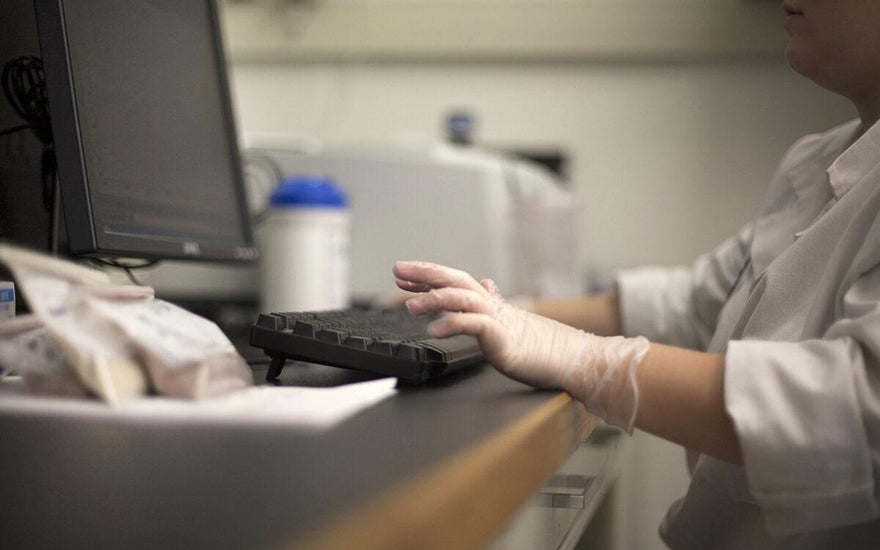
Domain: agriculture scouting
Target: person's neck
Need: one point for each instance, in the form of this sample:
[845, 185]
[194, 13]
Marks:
[869, 113]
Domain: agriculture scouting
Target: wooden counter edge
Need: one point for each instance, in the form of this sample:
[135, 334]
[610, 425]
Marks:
[464, 502]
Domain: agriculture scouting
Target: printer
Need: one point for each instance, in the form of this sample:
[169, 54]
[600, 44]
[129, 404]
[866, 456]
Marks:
[481, 211]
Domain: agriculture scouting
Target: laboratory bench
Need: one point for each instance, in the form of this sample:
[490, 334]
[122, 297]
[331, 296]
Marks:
[462, 463]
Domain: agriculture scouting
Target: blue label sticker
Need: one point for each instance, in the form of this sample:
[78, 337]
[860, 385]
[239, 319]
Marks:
[7, 295]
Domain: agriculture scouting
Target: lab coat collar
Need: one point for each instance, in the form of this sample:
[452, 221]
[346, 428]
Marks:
[806, 176]
[808, 162]
[855, 162]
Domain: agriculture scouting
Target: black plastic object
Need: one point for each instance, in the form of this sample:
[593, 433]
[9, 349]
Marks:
[386, 342]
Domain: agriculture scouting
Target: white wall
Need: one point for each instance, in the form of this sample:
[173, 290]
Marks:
[667, 159]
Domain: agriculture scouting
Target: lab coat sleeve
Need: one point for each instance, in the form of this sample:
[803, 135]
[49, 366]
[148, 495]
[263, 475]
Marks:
[679, 305]
[807, 415]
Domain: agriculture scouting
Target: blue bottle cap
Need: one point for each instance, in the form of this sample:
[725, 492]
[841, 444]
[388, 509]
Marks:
[309, 192]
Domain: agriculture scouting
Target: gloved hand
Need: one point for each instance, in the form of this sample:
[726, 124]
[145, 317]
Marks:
[535, 350]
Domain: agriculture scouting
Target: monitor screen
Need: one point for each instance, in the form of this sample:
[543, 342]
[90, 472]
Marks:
[147, 154]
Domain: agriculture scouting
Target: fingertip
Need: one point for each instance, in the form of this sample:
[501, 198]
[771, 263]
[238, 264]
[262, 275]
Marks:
[412, 306]
[491, 287]
[438, 328]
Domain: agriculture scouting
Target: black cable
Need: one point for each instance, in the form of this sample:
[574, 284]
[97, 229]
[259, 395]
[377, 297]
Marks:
[24, 85]
[16, 129]
[131, 276]
[127, 268]
[113, 262]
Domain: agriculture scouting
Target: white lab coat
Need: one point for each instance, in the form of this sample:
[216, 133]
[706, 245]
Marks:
[793, 302]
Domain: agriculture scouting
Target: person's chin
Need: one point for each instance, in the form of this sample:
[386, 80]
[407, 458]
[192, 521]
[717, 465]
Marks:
[807, 64]
[796, 57]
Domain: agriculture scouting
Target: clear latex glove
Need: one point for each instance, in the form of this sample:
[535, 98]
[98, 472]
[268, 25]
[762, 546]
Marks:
[535, 350]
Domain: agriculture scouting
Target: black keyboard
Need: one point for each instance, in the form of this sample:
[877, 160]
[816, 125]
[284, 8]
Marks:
[386, 342]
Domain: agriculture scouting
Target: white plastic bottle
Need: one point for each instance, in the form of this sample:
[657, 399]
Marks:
[304, 247]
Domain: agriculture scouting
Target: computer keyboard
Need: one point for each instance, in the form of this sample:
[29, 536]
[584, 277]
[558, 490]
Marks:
[387, 342]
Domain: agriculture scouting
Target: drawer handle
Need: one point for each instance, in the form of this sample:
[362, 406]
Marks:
[565, 491]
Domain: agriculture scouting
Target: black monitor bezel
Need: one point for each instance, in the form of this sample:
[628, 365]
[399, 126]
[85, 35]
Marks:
[83, 238]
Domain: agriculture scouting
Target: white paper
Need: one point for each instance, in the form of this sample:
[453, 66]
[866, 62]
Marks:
[118, 339]
[28, 349]
[307, 409]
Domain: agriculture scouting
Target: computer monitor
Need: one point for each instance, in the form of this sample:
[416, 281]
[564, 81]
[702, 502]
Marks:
[147, 155]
